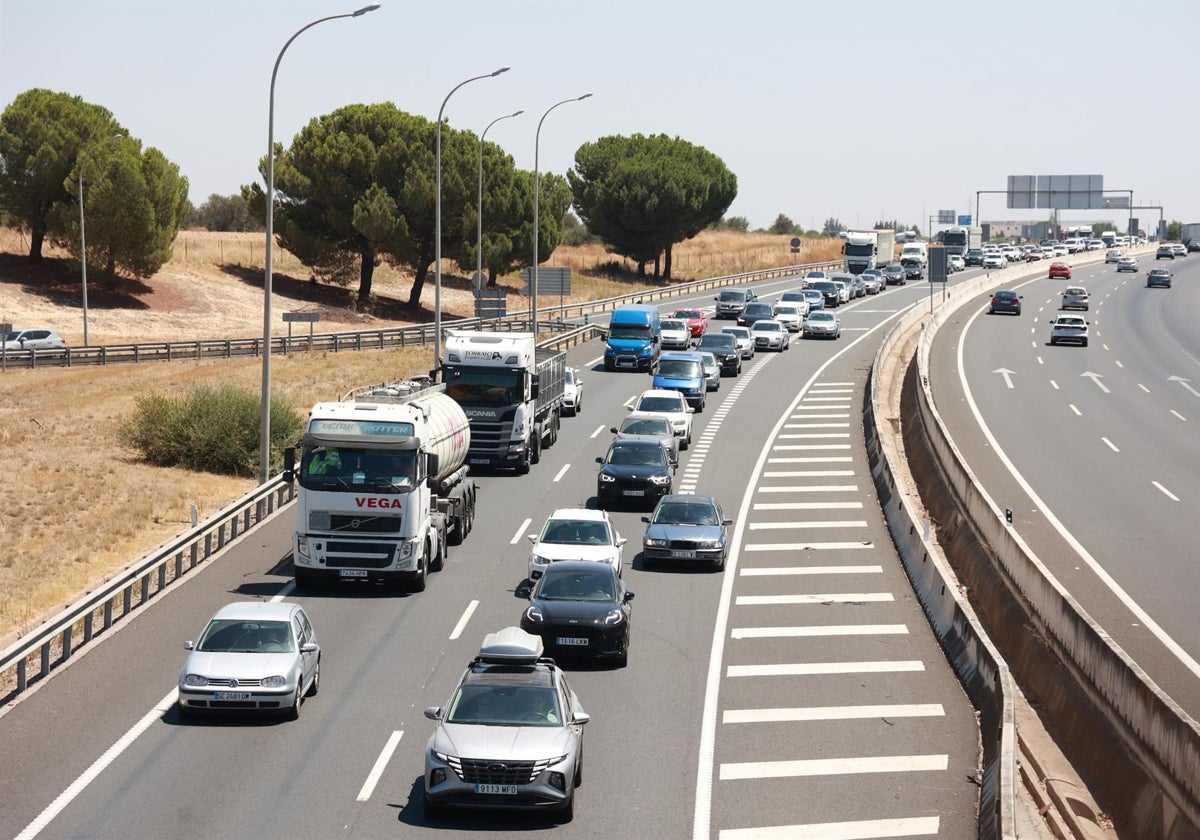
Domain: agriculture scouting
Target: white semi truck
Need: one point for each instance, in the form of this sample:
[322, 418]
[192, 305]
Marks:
[384, 486]
[510, 389]
[865, 249]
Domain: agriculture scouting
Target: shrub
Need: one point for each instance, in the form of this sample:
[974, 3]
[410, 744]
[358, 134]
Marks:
[209, 429]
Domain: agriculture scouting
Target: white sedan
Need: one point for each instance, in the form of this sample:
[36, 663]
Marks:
[995, 261]
[576, 534]
[791, 315]
[572, 392]
[770, 335]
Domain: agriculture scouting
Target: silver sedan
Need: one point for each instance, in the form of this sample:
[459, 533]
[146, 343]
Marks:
[770, 335]
[822, 325]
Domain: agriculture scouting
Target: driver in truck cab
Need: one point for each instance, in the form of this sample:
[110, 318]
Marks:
[325, 461]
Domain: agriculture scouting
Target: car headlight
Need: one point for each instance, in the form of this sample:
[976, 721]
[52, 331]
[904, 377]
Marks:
[539, 560]
[534, 614]
[442, 757]
[655, 542]
[274, 682]
[660, 479]
[614, 617]
[195, 681]
[605, 477]
[708, 544]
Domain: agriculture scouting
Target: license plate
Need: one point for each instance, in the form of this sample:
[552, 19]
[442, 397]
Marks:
[683, 554]
[633, 492]
[627, 364]
[354, 573]
[231, 695]
[507, 790]
[477, 460]
[571, 641]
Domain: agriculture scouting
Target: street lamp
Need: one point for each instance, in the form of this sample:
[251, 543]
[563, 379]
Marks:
[479, 221]
[537, 188]
[264, 442]
[437, 220]
[82, 236]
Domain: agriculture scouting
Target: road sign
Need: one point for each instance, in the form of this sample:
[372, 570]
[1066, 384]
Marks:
[5, 330]
[945, 217]
[964, 221]
[301, 317]
[493, 303]
[551, 280]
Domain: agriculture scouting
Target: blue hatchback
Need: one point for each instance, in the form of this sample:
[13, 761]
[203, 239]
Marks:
[683, 372]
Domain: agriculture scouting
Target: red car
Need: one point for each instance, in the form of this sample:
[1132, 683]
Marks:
[1060, 269]
[697, 321]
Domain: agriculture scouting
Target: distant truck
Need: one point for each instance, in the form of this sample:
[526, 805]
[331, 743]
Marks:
[915, 251]
[1189, 233]
[633, 341]
[865, 249]
[511, 391]
[384, 486]
[960, 240]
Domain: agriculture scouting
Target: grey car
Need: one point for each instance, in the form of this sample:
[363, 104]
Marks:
[712, 370]
[1075, 297]
[686, 528]
[646, 426]
[745, 341]
[510, 735]
[252, 656]
[822, 325]
[1158, 277]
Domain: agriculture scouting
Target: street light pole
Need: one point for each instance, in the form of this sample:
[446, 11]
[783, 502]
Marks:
[82, 235]
[537, 189]
[479, 220]
[437, 220]
[264, 441]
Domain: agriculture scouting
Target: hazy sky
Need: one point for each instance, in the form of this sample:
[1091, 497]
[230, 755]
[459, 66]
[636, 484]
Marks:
[856, 109]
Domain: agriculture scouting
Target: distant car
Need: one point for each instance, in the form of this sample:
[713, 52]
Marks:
[673, 404]
[1061, 250]
[770, 335]
[955, 263]
[1112, 256]
[793, 296]
[914, 269]
[844, 290]
[674, 334]
[1178, 249]
[1127, 264]
[895, 275]
[509, 736]
[754, 312]
[873, 277]
[830, 293]
[1069, 329]
[814, 299]
[745, 341]
[1005, 300]
[791, 315]
[646, 426]
[686, 528]
[576, 534]
[1075, 297]
[1164, 252]
[995, 260]
[731, 302]
[1194, 245]
[253, 656]
[813, 276]
[1060, 269]
[822, 325]
[712, 371]
[36, 339]
[581, 611]
[1158, 277]
[635, 471]
[572, 392]
[724, 347]
[974, 257]
[1034, 255]
[697, 321]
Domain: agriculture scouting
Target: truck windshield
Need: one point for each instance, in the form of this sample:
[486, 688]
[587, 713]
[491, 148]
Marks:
[633, 331]
[355, 470]
[859, 250]
[951, 238]
[485, 387]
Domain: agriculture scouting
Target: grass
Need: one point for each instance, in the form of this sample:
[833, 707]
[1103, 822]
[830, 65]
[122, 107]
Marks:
[79, 507]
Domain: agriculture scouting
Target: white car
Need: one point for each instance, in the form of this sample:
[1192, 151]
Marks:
[674, 334]
[1011, 253]
[1069, 328]
[955, 262]
[576, 534]
[674, 405]
[34, 340]
[745, 342]
[1127, 264]
[844, 292]
[1113, 256]
[572, 392]
[770, 335]
[995, 260]
[791, 315]
[1061, 250]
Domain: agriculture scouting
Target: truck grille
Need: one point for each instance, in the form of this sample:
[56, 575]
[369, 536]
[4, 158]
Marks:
[359, 555]
[488, 437]
[365, 524]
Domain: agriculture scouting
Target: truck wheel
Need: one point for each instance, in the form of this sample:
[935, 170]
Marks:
[304, 579]
[455, 530]
[553, 430]
[535, 446]
[420, 581]
[523, 467]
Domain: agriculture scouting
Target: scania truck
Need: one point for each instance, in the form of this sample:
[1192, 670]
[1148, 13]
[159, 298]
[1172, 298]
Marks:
[384, 486]
[960, 240]
[511, 391]
[865, 249]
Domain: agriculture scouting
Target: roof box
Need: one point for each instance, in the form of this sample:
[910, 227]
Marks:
[511, 646]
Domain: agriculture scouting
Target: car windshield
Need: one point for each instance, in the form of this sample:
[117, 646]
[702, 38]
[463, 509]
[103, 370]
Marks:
[575, 532]
[724, 340]
[825, 286]
[629, 331]
[729, 295]
[821, 316]
[674, 325]
[678, 369]
[637, 456]
[242, 636]
[758, 309]
[1070, 322]
[817, 275]
[767, 326]
[558, 585]
[669, 404]
[737, 332]
[686, 513]
[689, 313]
[1006, 295]
[654, 426]
[495, 705]
[786, 310]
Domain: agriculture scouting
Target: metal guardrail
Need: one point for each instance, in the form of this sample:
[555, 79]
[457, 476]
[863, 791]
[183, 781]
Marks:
[53, 644]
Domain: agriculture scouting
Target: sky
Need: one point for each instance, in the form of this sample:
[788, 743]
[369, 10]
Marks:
[849, 108]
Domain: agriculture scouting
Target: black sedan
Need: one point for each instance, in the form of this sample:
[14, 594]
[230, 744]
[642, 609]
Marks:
[755, 312]
[724, 347]
[633, 471]
[580, 609]
[894, 275]
[828, 290]
[686, 528]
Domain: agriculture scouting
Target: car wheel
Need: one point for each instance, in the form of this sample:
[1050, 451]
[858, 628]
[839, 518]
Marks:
[293, 712]
[315, 687]
[719, 566]
[578, 772]
[608, 365]
[687, 443]
[579, 404]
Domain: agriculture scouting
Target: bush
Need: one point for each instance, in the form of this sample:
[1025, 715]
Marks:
[209, 429]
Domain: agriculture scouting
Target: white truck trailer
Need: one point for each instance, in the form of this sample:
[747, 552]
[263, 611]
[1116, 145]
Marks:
[510, 389]
[384, 486]
[865, 249]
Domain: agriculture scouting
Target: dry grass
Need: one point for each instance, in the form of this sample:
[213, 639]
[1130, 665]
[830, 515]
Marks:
[77, 506]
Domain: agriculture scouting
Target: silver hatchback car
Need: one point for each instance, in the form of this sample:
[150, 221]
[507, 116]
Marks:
[1075, 297]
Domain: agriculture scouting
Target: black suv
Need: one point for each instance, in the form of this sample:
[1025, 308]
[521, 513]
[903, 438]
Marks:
[755, 312]
[724, 347]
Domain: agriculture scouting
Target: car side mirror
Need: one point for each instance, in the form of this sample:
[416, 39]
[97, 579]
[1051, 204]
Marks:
[599, 460]
[612, 429]
[308, 647]
[582, 718]
[532, 537]
[189, 646]
[434, 712]
[691, 410]
[644, 519]
[621, 541]
[628, 597]
[726, 521]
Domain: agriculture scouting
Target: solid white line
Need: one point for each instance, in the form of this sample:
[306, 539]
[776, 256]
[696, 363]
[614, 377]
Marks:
[599, 429]
[812, 488]
[810, 473]
[816, 436]
[832, 766]
[813, 408]
[462, 622]
[768, 571]
[594, 361]
[849, 390]
[834, 459]
[819, 630]
[801, 447]
[814, 598]
[1076, 410]
[817, 425]
[828, 399]
[1111, 445]
[820, 546]
[858, 830]
[377, 769]
[629, 401]
[832, 713]
[88, 776]
[784, 526]
[1166, 492]
[562, 472]
[1118, 363]
[520, 531]
[809, 669]
[802, 505]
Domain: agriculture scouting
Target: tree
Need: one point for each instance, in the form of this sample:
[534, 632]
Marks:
[43, 135]
[1174, 230]
[224, 213]
[641, 195]
[739, 223]
[784, 225]
[833, 226]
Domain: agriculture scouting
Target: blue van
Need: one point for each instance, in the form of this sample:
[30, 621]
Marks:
[633, 338]
[682, 372]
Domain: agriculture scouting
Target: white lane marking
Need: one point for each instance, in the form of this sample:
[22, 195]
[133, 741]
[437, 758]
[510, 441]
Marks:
[1110, 444]
[630, 401]
[599, 429]
[828, 399]
[817, 425]
[462, 622]
[813, 408]
[772, 571]
[835, 391]
[808, 669]
[816, 436]
[842, 416]
[1040, 360]
[1007, 374]
[385, 755]
[1142, 616]
[788, 526]
[1184, 383]
[288, 589]
[1143, 387]
[818, 546]
[799, 447]
[838, 384]
[1166, 492]
[803, 505]
[1096, 377]
[819, 630]
[594, 361]
[836, 459]
[1118, 363]
[832, 766]
[1180, 416]
[857, 830]
[98, 766]
[1105, 346]
[1054, 384]
[562, 472]
[1076, 410]
[832, 713]
[520, 531]
[814, 598]
[814, 488]
[809, 474]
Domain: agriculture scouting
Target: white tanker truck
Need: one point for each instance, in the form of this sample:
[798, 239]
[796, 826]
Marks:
[383, 486]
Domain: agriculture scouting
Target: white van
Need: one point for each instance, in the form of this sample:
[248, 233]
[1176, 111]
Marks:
[915, 250]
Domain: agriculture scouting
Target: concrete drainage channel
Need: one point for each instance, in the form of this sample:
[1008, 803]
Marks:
[1088, 689]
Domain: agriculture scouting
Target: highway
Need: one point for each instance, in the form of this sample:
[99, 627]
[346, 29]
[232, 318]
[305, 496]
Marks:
[800, 690]
[1095, 449]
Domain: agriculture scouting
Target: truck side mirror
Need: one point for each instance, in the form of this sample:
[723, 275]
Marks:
[431, 465]
[289, 463]
[535, 386]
